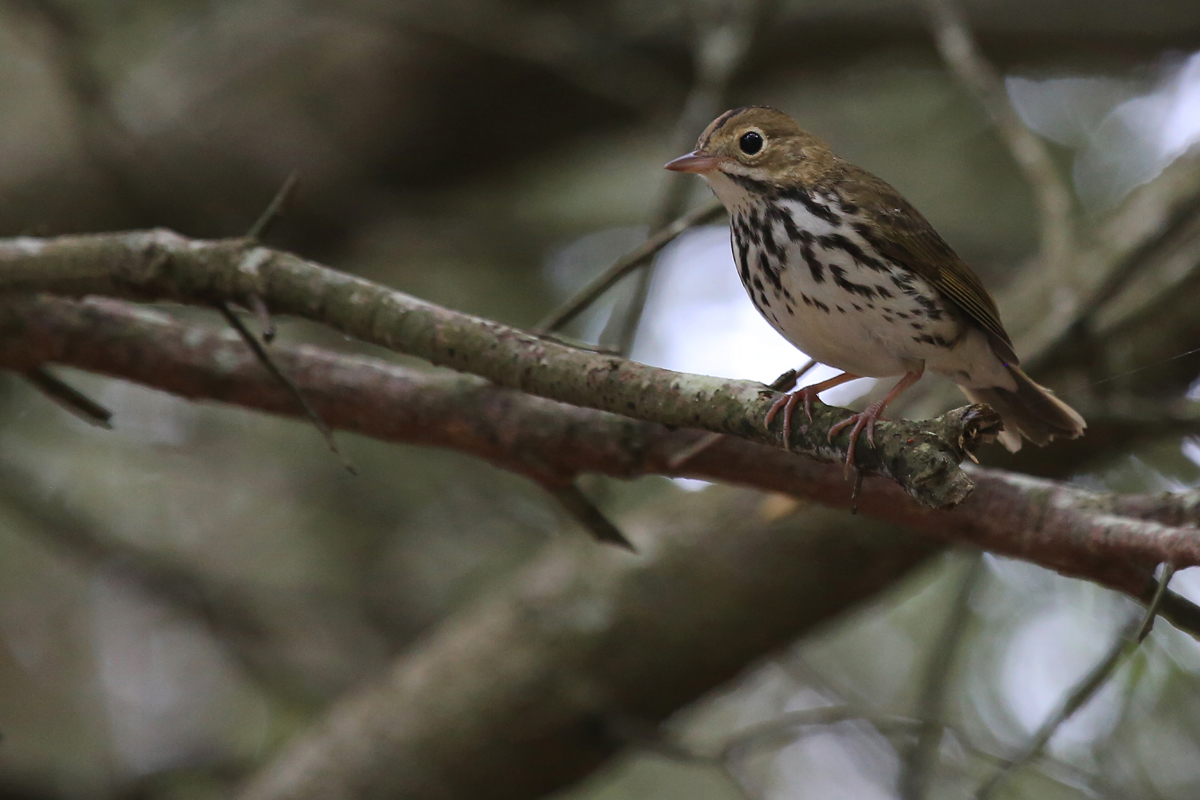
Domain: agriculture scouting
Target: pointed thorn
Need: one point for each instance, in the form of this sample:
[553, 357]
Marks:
[585, 512]
[858, 481]
[70, 398]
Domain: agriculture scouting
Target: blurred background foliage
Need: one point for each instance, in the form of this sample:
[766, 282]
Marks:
[491, 156]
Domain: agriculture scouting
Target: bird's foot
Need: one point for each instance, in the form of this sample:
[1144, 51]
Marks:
[867, 419]
[788, 402]
[863, 420]
[809, 393]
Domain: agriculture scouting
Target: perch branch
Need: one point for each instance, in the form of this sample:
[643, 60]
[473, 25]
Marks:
[1110, 539]
[923, 457]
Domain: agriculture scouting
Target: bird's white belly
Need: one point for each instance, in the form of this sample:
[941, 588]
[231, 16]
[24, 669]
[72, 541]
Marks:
[840, 337]
[832, 296]
[838, 329]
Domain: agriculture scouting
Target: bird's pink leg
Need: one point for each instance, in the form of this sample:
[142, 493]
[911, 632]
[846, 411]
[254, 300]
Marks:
[788, 402]
[866, 419]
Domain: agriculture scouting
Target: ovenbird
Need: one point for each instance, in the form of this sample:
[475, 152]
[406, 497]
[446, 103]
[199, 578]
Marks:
[848, 271]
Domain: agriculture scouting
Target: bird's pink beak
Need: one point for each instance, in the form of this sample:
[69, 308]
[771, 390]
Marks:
[693, 162]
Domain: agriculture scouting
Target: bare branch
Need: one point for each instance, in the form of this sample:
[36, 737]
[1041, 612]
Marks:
[1112, 540]
[1126, 643]
[722, 46]
[627, 263]
[159, 265]
[511, 698]
[1053, 196]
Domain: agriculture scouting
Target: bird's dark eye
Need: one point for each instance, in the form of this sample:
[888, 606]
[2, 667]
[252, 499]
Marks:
[751, 142]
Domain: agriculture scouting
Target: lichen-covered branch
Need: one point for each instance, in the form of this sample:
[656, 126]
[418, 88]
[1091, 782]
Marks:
[922, 457]
[1112, 540]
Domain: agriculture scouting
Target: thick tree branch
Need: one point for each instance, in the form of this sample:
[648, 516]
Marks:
[922, 457]
[525, 692]
[1112, 540]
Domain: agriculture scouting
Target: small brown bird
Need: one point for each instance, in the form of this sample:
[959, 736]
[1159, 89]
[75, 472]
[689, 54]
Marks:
[849, 272]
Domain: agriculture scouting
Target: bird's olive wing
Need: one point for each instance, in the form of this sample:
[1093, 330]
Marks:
[905, 237]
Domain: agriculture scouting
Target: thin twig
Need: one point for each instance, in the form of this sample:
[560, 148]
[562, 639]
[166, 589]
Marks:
[259, 229]
[263, 314]
[626, 264]
[275, 208]
[585, 512]
[260, 226]
[787, 728]
[720, 52]
[1156, 602]
[1052, 194]
[265, 359]
[69, 398]
[1087, 688]
[783, 729]
[922, 758]
[805, 674]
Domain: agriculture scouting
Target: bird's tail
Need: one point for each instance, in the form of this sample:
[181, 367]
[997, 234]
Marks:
[1031, 411]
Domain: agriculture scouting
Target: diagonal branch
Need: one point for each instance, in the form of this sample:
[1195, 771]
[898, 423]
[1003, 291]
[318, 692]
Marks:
[922, 457]
[1053, 196]
[726, 35]
[1082, 694]
[1113, 540]
[515, 696]
[635, 258]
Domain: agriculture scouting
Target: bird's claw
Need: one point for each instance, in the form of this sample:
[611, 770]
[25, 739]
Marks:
[864, 420]
[788, 403]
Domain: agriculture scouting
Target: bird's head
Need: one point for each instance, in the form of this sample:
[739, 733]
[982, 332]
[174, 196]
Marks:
[755, 144]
